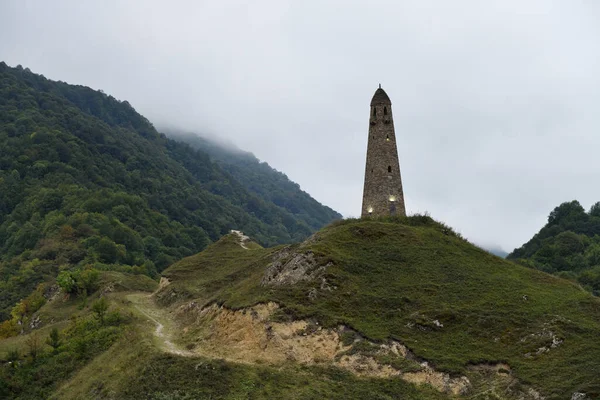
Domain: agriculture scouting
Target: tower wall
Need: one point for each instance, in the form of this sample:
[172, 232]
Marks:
[382, 193]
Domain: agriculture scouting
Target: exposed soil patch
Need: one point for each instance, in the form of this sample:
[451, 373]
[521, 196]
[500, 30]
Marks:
[251, 336]
[255, 336]
[243, 238]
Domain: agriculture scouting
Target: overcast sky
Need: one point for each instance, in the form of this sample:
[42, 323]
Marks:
[496, 103]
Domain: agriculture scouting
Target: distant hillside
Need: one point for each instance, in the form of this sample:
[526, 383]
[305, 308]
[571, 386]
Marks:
[259, 178]
[87, 182]
[568, 245]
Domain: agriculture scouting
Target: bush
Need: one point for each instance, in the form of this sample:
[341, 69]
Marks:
[99, 308]
[66, 282]
[87, 280]
[114, 318]
[53, 340]
[82, 282]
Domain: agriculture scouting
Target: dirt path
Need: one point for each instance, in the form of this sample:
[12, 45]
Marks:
[164, 326]
[243, 238]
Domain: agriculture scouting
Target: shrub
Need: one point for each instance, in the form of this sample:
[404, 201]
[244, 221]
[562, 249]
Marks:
[99, 308]
[53, 340]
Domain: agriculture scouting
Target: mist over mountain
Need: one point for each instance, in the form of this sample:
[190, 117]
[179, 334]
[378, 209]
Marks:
[261, 179]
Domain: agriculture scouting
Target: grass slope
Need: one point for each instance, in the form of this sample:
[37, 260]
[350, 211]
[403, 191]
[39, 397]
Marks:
[126, 362]
[394, 278]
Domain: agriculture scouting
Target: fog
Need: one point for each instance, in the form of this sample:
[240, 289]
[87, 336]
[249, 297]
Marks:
[495, 103]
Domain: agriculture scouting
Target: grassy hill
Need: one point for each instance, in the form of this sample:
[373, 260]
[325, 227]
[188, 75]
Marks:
[87, 182]
[382, 309]
[413, 280]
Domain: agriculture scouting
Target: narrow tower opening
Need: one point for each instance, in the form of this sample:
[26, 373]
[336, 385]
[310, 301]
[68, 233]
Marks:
[374, 112]
[389, 166]
[384, 111]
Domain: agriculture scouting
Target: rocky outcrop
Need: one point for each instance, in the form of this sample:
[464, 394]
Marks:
[290, 267]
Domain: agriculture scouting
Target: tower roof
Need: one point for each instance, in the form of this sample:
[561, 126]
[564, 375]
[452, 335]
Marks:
[380, 97]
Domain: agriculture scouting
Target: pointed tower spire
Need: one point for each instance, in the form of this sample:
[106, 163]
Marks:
[382, 193]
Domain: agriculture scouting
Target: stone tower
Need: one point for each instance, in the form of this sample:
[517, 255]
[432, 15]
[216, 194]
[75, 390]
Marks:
[382, 194]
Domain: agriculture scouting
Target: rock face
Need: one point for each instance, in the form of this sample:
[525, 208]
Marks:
[382, 194]
[289, 268]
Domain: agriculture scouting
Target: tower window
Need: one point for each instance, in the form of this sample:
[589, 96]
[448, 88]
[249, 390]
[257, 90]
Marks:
[387, 138]
[374, 112]
[389, 168]
[384, 110]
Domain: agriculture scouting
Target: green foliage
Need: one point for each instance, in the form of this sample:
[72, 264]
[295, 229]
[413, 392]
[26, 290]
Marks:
[13, 356]
[87, 280]
[568, 245]
[37, 376]
[22, 312]
[81, 282]
[99, 308]
[34, 346]
[86, 180]
[53, 340]
[67, 282]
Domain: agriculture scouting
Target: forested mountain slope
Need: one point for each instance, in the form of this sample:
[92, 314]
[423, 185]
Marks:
[261, 179]
[568, 245]
[87, 182]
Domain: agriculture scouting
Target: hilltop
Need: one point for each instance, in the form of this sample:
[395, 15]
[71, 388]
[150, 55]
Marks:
[378, 308]
[410, 282]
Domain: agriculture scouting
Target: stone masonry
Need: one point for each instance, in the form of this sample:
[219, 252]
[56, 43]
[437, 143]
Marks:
[382, 194]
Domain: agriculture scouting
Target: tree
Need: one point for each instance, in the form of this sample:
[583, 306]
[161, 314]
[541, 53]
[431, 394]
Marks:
[107, 251]
[99, 308]
[592, 255]
[33, 344]
[567, 212]
[53, 340]
[595, 209]
[87, 281]
[66, 282]
[569, 243]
